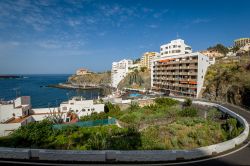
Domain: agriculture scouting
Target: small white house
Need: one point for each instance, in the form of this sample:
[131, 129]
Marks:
[80, 107]
[13, 114]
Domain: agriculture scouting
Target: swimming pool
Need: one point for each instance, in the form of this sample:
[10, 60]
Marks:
[135, 95]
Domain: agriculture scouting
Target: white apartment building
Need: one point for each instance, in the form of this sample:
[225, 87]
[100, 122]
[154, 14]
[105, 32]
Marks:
[17, 113]
[175, 47]
[119, 71]
[14, 114]
[19, 107]
[80, 107]
[179, 74]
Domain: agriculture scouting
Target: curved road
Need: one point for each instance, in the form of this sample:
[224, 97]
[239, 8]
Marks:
[237, 157]
[241, 157]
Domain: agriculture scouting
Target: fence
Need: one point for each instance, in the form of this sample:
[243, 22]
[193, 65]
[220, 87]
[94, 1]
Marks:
[101, 122]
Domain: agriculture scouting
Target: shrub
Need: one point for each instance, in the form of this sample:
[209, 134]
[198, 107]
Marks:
[35, 133]
[187, 103]
[165, 101]
[128, 139]
[134, 106]
[213, 114]
[233, 128]
[189, 112]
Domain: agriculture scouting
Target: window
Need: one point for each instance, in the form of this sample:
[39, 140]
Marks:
[64, 108]
[76, 110]
[92, 109]
[88, 109]
[83, 110]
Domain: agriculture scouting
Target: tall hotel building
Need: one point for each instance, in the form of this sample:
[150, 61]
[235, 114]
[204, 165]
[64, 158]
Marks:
[178, 71]
[147, 59]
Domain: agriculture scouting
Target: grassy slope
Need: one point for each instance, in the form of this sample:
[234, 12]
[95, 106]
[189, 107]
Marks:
[185, 131]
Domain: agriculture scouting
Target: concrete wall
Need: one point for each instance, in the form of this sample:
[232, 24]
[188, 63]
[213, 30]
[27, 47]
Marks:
[5, 129]
[7, 111]
[131, 156]
[43, 110]
[203, 63]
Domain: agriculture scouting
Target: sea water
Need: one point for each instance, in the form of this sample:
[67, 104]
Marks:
[41, 96]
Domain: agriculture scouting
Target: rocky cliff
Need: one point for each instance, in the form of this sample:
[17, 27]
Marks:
[228, 80]
[100, 80]
[91, 79]
[136, 80]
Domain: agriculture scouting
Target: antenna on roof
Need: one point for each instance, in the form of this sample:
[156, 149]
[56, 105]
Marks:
[177, 35]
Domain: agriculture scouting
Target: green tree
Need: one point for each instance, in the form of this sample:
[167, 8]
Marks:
[134, 106]
[187, 102]
[220, 48]
[143, 69]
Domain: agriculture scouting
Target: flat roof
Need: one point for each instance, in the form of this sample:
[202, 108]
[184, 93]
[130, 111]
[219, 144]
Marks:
[17, 120]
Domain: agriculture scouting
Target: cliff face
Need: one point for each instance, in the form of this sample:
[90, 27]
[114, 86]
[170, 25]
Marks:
[229, 81]
[136, 80]
[92, 79]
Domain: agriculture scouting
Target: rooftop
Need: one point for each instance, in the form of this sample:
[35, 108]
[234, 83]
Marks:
[17, 120]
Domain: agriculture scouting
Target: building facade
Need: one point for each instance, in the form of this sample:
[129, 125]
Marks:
[241, 42]
[18, 112]
[179, 73]
[147, 59]
[80, 107]
[212, 53]
[175, 47]
[13, 114]
[81, 71]
[119, 71]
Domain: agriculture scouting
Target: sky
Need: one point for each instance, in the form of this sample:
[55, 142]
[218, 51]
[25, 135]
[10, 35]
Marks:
[60, 36]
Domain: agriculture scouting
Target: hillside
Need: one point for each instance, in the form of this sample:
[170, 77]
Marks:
[92, 79]
[136, 80]
[228, 80]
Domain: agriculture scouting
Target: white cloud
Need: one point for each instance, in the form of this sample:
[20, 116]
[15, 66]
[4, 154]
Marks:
[200, 20]
[153, 26]
[160, 13]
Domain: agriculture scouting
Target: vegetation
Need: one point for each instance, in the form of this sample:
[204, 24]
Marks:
[166, 124]
[189, 112]
[229, 81]
[187, 103]
[90, 79]
[220, 48]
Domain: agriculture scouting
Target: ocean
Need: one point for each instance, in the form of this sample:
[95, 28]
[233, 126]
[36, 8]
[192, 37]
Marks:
[41, 96]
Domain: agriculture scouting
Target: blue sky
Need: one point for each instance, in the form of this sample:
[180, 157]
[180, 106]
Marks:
[59, 36]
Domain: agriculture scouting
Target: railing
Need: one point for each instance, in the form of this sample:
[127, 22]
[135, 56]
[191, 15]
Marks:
[88, 123]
